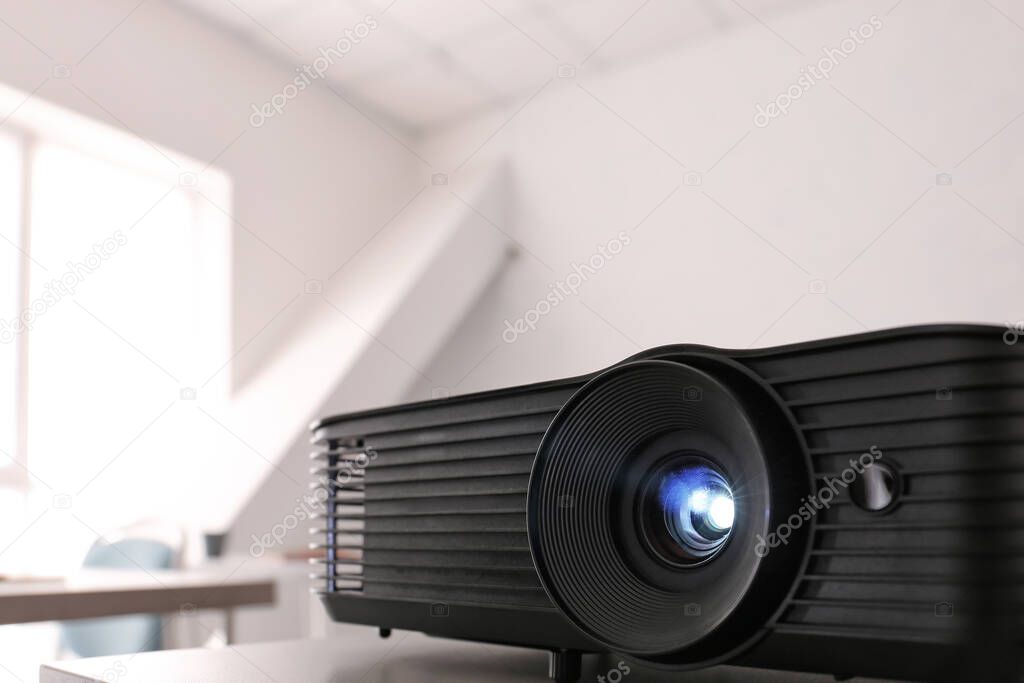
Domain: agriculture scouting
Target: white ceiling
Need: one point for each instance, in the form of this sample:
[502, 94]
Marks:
[428, 63]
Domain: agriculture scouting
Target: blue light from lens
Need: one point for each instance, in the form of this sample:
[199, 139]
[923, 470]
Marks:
[698, 507]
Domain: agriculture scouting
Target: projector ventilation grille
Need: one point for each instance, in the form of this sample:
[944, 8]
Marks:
[339, 482]
[937, 407]
[437, 511]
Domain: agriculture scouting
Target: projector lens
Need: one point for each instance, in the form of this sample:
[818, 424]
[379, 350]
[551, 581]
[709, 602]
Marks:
[688, 510]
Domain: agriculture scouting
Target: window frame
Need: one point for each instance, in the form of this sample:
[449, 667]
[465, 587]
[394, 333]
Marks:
[17, 474]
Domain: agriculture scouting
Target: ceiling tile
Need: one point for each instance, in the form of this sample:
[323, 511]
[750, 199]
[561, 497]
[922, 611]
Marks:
[311, 25]
[537, 21]
[385, 47]
[439, 22]
[254, 17]
[421, 91]
[504, 61]
[613, 31]
[462, 54]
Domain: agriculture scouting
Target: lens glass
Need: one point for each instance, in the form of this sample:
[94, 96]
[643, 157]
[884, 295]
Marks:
[688, 510]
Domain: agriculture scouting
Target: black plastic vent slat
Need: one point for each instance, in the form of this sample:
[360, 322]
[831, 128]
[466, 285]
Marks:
[910, 351]
[518, 463]
[903, 380]
[445, 497]
[495, 596]
[953, 579]
[938, 432]
[909, 445]
[458, 433]
[1012, 411]
[448, 524]
[461, 451]
[483, 407]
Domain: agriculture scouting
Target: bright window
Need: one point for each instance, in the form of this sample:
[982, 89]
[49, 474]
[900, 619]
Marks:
[10, 289]
[115, 270]
[117, 248]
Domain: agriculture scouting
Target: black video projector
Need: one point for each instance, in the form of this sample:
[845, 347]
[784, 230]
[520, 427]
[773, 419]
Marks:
[850, 506]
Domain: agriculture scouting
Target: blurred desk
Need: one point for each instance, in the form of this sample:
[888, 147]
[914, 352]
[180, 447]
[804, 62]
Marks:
[110, 592]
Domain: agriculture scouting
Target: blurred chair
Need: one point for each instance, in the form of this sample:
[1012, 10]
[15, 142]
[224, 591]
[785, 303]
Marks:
[143, 547]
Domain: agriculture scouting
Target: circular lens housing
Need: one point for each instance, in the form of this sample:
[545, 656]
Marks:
[610, 561]
[687, 510]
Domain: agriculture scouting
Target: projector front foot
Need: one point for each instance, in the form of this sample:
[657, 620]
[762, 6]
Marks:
[564, 665]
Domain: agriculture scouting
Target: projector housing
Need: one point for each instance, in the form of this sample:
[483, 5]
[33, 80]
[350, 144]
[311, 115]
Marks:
[521, 516]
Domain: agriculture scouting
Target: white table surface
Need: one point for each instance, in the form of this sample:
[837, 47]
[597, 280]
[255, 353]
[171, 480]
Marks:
[356, 653]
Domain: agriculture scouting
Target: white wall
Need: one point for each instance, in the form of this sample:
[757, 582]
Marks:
[825, 192]
[412, 286]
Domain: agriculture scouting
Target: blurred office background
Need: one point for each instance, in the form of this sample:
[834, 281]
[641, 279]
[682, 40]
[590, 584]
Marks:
[222, 219]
